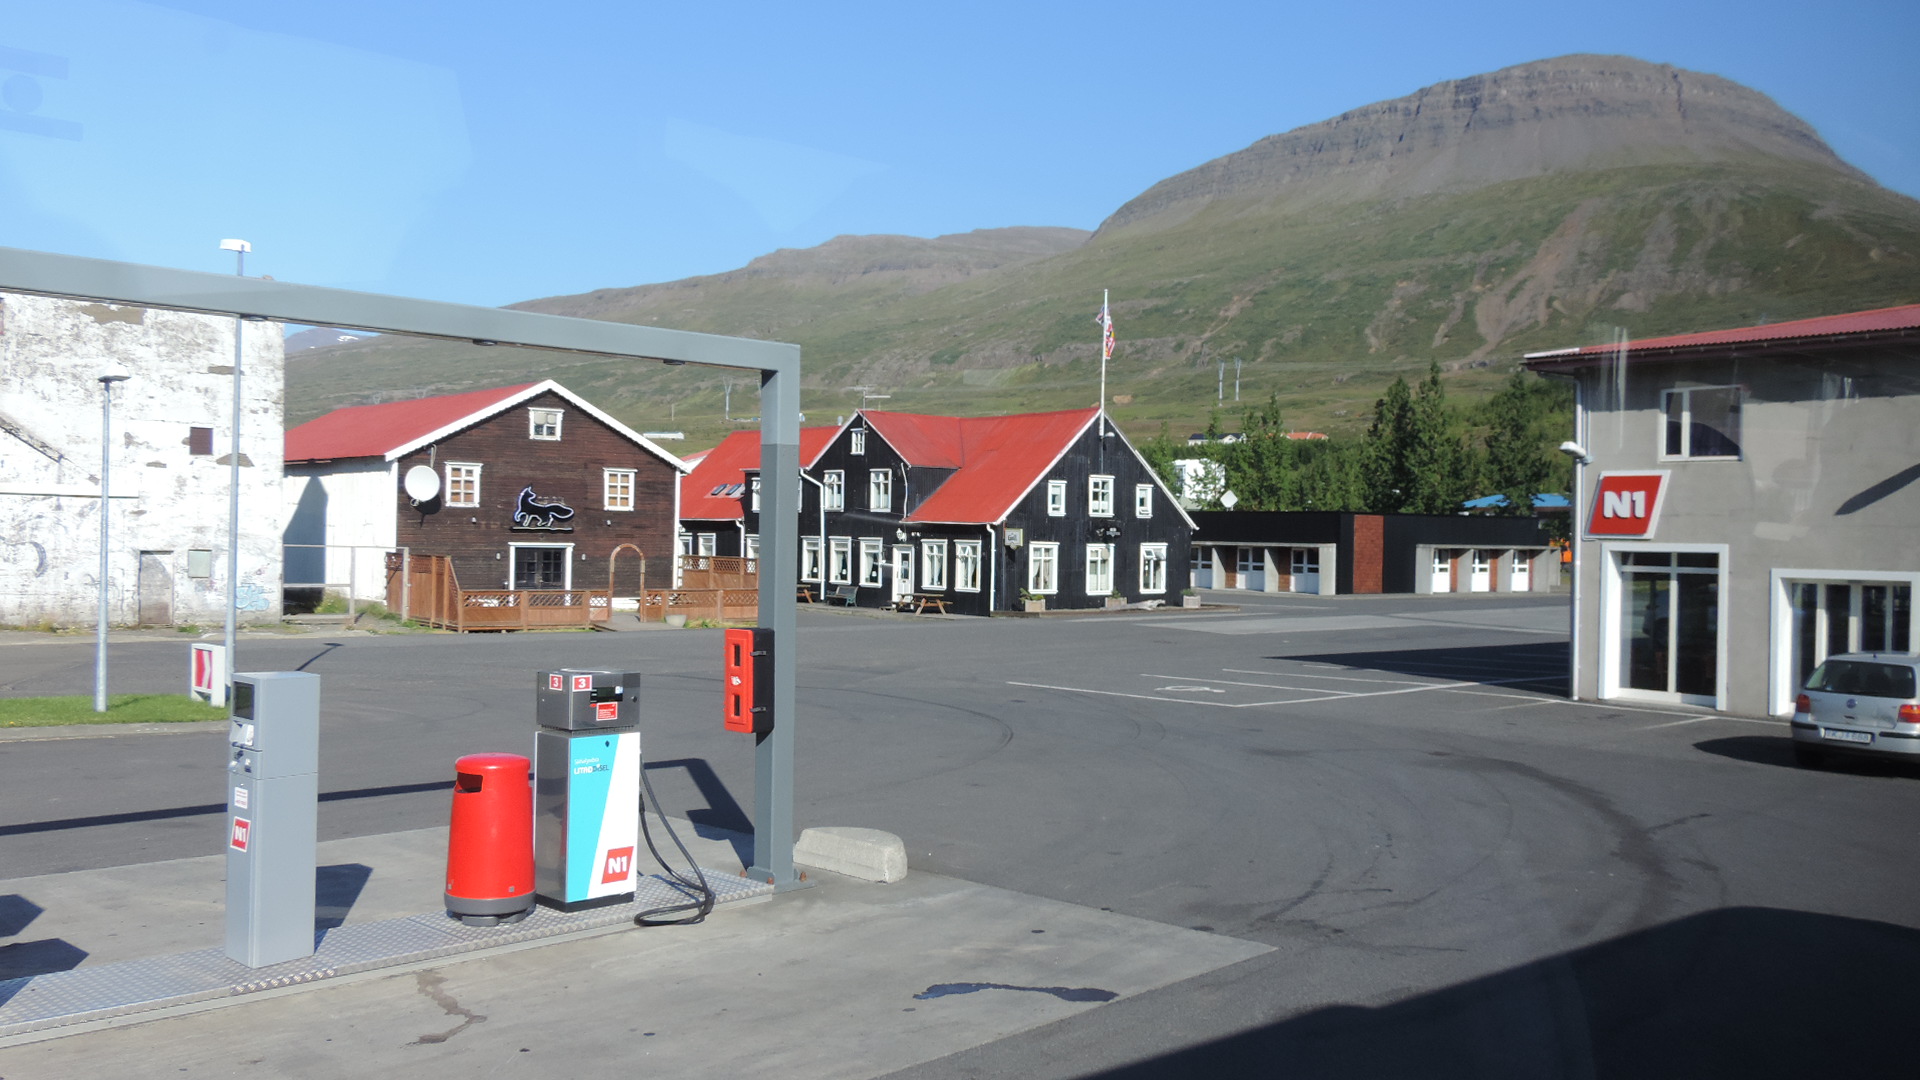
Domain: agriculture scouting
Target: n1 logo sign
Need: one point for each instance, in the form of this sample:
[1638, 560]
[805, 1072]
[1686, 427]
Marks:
[1627, 504]
[242, 830]
[619, 866]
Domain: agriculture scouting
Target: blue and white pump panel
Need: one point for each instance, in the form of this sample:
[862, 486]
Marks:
[586, 796]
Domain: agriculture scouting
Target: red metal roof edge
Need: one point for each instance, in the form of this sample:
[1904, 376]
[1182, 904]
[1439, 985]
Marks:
[959, 488]
[1898, 319]
[372, 430]
[728, 463]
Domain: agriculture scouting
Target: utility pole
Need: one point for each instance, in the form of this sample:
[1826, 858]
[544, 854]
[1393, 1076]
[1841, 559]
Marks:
[727, 409]
[1221, 394]
[239, 249]
[1236, 378]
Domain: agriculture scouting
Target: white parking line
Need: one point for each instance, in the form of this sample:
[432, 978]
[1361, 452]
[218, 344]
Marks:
[1150, 697]
[1310, 675]
[1262, 686]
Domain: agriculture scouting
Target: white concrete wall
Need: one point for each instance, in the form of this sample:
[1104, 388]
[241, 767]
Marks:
[166, 501]
[348, 506]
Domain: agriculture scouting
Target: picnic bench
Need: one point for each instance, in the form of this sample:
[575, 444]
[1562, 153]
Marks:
[845, 594]
[804, 594]
[922, 601]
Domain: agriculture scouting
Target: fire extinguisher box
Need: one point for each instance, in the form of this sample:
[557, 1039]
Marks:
[586, 800]
[490, 844]
[746, 678]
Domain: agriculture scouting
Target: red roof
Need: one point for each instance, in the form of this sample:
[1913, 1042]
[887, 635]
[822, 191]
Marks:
[372, 430]
[996, 459]
[1878, 321]
[705, 493]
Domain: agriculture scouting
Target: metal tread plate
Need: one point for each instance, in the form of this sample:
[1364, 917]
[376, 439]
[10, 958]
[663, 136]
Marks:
[105, 991]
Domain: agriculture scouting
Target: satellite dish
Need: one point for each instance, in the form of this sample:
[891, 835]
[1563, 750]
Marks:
[422, 483]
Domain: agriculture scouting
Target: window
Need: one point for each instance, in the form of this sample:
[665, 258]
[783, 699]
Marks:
[543, 424]
[200, 441]
[857, 441]
[618, 486]
[754, 499]
[1099, 569]
[752, 551]
[880, 489]
[463, 484]
[706, 544]
[1056, 498]
[1702, 422]
[966, 565]
[810, 558]
[933, 564]
[870, 561]
[686, 543]
[1304, 561]
[1100, 496]
[833, 489]
[840, 561]
[200, 563]
[541, 567]
[1153, 568]
[1142, 500]
[1043, 569]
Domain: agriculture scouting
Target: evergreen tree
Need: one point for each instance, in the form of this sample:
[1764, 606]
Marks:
[1384, 483]
[1517, 466]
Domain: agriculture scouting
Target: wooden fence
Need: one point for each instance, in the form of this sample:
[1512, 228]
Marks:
[425, 588]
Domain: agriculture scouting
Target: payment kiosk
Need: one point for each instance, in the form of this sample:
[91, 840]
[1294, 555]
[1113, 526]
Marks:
[586, 794]
[273, 795]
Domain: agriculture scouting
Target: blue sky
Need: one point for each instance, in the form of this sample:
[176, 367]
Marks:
[487, 152]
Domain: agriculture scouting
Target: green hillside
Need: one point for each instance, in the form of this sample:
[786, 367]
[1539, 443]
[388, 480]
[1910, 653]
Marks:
[1324, 287]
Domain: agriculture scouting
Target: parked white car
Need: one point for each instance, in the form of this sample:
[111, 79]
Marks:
[1859, 703]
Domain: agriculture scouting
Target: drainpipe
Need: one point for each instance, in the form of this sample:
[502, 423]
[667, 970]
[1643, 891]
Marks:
[991, 555]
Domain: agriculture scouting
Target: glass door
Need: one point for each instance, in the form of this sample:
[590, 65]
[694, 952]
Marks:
[1670, 624]
[902, 573]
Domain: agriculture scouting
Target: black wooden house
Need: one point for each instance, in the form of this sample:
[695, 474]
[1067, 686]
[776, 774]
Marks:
[979, 512]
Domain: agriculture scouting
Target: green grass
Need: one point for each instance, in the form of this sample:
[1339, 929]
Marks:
[121, 709]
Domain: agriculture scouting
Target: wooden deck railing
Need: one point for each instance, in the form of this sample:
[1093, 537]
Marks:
[435, 597]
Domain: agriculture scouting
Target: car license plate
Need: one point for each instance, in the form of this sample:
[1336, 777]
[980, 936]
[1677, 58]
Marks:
[1846, 736]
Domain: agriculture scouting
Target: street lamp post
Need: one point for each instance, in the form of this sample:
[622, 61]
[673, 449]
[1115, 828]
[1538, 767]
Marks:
[239, 249]
[109, 375]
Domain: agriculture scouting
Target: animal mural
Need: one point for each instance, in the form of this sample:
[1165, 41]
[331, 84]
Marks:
[531, 514]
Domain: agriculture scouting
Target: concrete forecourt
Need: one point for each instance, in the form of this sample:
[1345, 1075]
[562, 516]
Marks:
[1314, 836]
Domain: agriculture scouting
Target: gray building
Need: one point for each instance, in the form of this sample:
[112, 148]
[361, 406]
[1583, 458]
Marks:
[1749, 504]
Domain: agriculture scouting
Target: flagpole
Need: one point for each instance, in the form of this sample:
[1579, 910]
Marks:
[1106, 328]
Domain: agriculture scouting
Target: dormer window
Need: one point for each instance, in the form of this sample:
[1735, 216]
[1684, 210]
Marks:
[544, 424]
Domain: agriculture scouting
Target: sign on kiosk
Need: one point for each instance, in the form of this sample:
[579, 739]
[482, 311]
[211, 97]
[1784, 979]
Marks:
[1627, 504]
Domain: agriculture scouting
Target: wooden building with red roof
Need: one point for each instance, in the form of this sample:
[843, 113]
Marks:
[970, 514]
[521, 487]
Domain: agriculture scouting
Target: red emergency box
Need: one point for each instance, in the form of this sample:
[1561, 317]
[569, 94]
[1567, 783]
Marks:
[747, 678]
[490, 847]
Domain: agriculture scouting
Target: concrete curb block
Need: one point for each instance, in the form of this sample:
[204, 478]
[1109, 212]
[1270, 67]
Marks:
[867, 854]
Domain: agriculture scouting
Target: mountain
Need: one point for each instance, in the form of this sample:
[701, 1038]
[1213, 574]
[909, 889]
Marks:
[1534, 207]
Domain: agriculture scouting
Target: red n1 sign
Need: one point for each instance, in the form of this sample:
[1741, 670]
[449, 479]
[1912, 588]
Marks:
[1627, 504]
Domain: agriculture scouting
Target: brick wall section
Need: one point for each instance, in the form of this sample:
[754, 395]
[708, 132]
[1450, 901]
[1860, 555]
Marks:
[1369, 553]
[569, 469]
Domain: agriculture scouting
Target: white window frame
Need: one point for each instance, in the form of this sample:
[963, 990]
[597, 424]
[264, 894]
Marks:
[1780, 681]
[1686, 423]
[685, 541]
[1153, 568]
[534, 416]
[833, 489]
[812, 558]
[750, 549]
[1143, 500]
[1613, 587]
[1100, 496]
[1043, 568]
[880, 490]
[707, 544]
[513, 563]
[966, 565]
[933, 565]
[873, 561]
[754, 498]
[1100, 581]
[840, 560]
[857, 441]
[1056, 498]
[452, 486]
[610, 493]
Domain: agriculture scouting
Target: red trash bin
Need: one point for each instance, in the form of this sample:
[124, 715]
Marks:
[490, 847]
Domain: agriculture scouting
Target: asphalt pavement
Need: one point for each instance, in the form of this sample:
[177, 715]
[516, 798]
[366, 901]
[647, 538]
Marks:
[1439, 865]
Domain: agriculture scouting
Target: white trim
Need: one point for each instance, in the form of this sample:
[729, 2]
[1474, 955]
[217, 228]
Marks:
[927, 562]
[1780, 688]
[1140, 490]
[1686, 424]
[836, 544]
[1053, 548]
[1057, 487]
[877, 546]
[839, 504]
[607, 473]
[528, 394]
[819, 558]
[875, 488]
[447, 481]
[979, 559]
[1093, 505]
[1111, 551]
[1611, 588]
[559, 423]
[513, 563]
[1162, 548]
